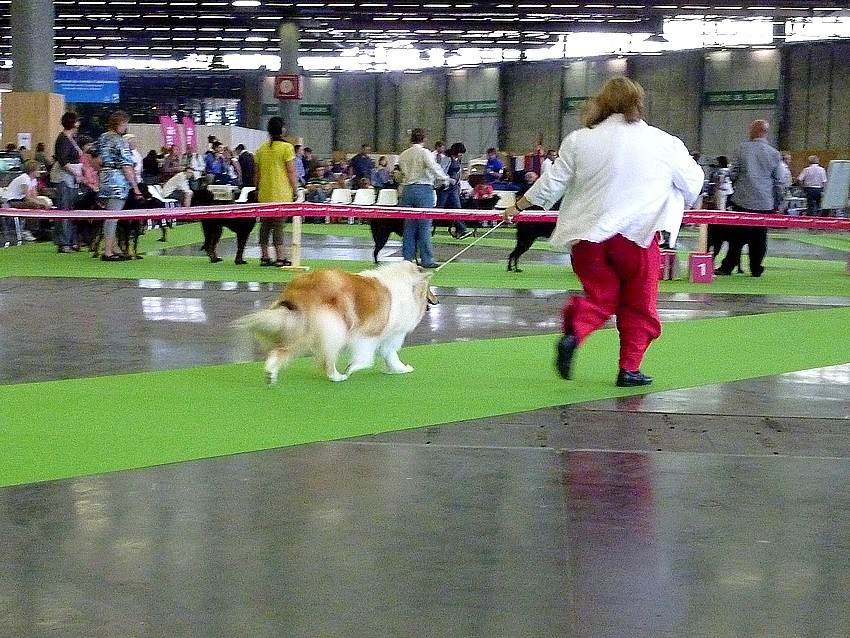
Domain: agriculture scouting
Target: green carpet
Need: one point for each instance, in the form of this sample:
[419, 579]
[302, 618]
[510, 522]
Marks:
[795, 277]
[83, 426]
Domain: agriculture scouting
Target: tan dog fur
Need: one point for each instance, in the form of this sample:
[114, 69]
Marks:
[328, 312]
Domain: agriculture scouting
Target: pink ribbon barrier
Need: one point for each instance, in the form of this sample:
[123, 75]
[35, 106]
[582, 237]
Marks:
[368, 212]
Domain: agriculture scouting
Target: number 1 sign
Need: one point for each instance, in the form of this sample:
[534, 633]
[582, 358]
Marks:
[701, 267]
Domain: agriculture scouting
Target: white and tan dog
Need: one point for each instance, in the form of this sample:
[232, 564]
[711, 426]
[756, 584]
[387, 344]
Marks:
[328, 312]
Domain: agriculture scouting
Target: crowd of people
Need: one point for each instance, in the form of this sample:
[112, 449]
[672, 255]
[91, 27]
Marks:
[110, 172]
[758, 180]
[610, 212]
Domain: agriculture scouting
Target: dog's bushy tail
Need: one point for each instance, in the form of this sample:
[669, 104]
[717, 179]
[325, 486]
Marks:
[273, 326]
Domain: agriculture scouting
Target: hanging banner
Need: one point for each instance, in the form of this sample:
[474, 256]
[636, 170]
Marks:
[190, 134]
[168, 131]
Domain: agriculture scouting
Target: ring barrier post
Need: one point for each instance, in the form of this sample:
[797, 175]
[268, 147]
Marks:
[701, 263]
[295, 248]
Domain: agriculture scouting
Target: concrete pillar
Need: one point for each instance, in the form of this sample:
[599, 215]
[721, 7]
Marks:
[289, 109]
[32, 45]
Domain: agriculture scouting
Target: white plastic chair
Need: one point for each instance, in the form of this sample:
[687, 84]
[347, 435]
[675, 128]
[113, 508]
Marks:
[243, 194]
[300, 195]
[221, 192]
[387, 197]
[340, 196]
[364, 197]
[156, 192]
[506, 199]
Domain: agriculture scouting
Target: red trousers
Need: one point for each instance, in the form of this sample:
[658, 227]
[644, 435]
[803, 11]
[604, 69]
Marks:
[619, 277]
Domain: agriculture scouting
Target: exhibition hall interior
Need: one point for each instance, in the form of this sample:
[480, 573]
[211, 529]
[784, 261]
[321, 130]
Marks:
[510, 476]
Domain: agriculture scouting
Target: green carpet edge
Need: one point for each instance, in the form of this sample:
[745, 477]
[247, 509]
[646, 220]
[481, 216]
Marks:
[594, 376]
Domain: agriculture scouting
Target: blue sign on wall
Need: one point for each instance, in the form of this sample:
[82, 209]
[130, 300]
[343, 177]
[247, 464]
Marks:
[88, 83]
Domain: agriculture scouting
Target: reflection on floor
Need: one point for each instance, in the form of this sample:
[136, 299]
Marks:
[708, 512]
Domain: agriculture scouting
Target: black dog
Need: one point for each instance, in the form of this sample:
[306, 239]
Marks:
[381, 229]
[719, 233]
[526, 234]
[127, 231]
[213, 229]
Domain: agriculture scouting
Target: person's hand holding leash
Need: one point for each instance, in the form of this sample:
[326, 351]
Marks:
[512, 211]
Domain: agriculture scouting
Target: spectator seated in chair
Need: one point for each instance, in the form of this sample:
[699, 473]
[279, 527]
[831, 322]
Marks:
[177, 187]
[482, 193]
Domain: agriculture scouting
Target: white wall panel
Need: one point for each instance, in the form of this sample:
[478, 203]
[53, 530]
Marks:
[583, 79]
[532, 101]
[316, 131]
[724, 128]
[354, 110]
[421, 103]
[477, 131]
[673, 85]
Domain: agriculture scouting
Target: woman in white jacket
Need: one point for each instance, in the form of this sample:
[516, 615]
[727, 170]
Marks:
[621, 181]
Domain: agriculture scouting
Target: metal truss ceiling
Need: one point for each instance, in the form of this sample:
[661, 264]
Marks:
[176, 28]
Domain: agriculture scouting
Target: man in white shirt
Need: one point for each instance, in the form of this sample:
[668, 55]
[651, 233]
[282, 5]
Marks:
[22, 192]
[178, 187]
[621, 181]
[813, 179]
[420, 172]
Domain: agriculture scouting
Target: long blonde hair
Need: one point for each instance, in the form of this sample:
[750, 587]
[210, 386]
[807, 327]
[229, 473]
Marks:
[617, 95]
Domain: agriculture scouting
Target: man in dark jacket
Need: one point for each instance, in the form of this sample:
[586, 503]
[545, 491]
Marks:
[247, 164]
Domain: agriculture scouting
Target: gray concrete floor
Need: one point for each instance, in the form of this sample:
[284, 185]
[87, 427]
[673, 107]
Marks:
[708, 512]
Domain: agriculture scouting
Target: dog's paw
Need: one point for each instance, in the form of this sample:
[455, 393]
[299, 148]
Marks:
[271, 378]
[402, 369]
[337, 376]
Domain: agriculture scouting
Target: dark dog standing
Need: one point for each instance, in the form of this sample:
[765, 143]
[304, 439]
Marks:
[719, 233]
[213, 229]
[128, 231]
[381, 229]
[526, 234]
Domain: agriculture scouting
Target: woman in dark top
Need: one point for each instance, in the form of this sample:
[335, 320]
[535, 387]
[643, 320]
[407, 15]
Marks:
[452, 194]
[66, 174]
[150, 168]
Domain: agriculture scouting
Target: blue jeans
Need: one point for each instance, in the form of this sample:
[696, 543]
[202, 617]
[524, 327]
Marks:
[417, 232]
[449, 198]
[66, 200]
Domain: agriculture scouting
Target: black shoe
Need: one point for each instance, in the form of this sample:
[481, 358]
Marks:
[112, 258]
[756, 272]
[566, 348]
[434, 265]
[627, 379]
[720, 271]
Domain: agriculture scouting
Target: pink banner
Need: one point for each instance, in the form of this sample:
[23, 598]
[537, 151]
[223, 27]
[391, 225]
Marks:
[190, 134]
[168, 131]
